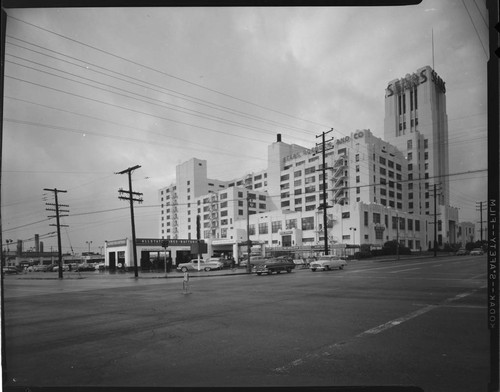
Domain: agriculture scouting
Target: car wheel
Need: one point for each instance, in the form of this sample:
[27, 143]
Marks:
[288, 270]
[278, 272]
[313, 269]
[207, 269]
[184, 269]
[259, 273]
[341, 266]
[326, 268]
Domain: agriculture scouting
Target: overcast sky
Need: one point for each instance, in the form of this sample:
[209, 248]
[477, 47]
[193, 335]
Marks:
[91, 92]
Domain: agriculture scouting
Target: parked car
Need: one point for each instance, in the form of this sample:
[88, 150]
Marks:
[461, 252]
[100, 267]
[327, 262]
[85, 267]
[225, 262]
[41, 268]
[10, 270]
[476, 252]
[254, 260]
[205, 265]
[65, 267]
[268, 266]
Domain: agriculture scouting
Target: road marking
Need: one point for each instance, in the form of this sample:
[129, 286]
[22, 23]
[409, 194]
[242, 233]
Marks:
[408, 269]
[372, 331]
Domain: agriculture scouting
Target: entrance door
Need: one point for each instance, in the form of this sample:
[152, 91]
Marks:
[286, 240]
[112, 260]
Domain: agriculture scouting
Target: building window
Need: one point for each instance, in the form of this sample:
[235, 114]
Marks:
[366, 218]
[298, 173]
[409, 144]
[417, 225]
[308, 223]
[285, 203]
[291, 224]
[376, 217]
[357, 157]
[276, 226]
[285, 177]
[251, 230]
[346, 215]
[263, 228]
[310, 198]
[311, 207]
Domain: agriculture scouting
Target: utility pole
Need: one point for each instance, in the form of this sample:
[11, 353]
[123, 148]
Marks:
[324, 205]
[435, 220]
[249, 243]
[480, 208]
[58, 215]
[131, 199]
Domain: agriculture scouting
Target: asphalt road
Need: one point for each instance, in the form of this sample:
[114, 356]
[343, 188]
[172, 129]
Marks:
[409, 323]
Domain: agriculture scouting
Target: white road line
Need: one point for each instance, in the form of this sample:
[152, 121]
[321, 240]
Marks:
[408, 269]
[372, 331]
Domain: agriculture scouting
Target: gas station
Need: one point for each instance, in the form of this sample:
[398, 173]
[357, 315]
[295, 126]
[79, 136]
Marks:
[151, 252]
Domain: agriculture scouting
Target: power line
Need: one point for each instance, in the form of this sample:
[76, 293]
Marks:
[165, 73]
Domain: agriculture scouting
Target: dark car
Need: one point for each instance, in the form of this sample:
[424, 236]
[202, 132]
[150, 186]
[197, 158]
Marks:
[274, 265]
[10, 270]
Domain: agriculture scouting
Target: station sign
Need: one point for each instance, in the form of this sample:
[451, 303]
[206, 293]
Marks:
[171, 242]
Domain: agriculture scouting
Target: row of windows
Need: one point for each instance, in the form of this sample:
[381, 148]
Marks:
[412, 224]
[409, 143]
[307, 223]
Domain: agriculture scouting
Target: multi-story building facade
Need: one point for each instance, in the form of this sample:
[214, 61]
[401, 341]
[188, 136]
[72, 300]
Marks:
[417, 124]
[375, 190]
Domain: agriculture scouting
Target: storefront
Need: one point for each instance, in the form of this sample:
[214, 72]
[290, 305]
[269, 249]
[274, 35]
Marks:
[151, 253]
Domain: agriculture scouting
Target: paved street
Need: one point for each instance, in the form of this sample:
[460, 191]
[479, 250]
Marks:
[417, 323]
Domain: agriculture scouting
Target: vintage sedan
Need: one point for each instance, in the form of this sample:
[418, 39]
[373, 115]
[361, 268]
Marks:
[476, 252]
[205, 265]
[268, 266]
[327, 262]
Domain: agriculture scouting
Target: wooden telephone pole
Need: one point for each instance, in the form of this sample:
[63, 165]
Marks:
[58, 215]
[323, 206]
[130, 197]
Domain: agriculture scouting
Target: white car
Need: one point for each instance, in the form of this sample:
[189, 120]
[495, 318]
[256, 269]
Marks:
[476, 252]
[205, 265]
[328, 262]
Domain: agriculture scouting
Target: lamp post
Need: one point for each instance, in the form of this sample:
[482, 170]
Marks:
[88, 243]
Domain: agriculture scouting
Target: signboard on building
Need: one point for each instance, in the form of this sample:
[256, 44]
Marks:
[171, 242]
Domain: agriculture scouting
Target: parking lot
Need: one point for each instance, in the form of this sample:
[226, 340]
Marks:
[405, 323]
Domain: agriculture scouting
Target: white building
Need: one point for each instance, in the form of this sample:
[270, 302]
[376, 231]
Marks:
[376, 190]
